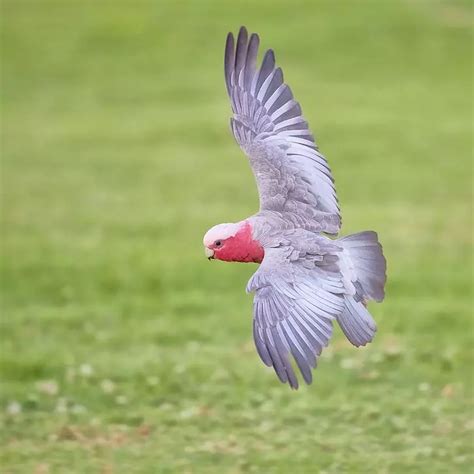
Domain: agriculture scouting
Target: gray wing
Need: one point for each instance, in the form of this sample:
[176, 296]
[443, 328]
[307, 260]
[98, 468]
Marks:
[292, 175]
[295, 303]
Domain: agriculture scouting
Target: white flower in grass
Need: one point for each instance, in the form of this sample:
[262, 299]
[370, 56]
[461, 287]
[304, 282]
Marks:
[424, 387]
[14, 408]
[348, 363]
[107, 386]
[86, 370]
[121, 400]
[152, 381]
[188, 412]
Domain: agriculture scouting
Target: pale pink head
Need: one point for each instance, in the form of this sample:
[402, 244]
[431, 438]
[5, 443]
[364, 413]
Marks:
[232, 243]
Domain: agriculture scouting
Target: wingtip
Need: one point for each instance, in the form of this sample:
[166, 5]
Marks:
[242, 36]
[254, 37]
[269, 58]
[229, 40]
[294, 385]
[243, 31]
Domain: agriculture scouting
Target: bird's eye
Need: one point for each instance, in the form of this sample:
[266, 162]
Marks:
[218, 243]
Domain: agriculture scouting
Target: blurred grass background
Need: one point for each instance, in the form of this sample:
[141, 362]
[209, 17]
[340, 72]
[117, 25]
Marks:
[122, 349]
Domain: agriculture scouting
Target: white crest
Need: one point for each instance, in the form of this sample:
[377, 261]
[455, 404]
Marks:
[220, 232]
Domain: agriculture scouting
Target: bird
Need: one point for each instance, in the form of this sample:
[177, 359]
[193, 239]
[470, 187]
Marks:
[307, 277]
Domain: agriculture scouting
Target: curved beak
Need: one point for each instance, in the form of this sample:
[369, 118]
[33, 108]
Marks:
[209, 253]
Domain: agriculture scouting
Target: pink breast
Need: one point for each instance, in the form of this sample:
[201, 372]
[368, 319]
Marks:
[242, 247]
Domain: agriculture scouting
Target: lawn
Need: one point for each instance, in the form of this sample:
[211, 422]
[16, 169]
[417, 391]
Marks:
[123, 350]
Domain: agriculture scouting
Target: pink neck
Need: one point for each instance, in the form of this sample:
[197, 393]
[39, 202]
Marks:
[241, 247]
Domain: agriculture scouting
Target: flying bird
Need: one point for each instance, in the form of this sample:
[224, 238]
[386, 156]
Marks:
[306, 279]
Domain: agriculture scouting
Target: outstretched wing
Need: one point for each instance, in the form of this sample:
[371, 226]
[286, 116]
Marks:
[295, 303]
[292, 175]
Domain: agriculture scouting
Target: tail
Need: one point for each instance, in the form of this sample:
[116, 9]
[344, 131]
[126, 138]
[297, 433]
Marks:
[362, 263]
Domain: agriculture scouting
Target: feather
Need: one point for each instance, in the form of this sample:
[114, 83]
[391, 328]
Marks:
[275, 135]
[287, 321]
[305, 281]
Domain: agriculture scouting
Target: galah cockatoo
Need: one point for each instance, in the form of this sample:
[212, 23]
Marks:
[305, 279]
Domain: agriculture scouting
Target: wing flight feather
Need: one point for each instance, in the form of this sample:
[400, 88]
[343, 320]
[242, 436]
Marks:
[293, 315]
[292, 175]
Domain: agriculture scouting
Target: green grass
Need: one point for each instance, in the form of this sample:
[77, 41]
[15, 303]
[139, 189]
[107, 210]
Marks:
[123, 350]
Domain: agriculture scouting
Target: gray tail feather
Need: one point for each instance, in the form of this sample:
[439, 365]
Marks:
[368, 264]
[368, 268]
[356, 322]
